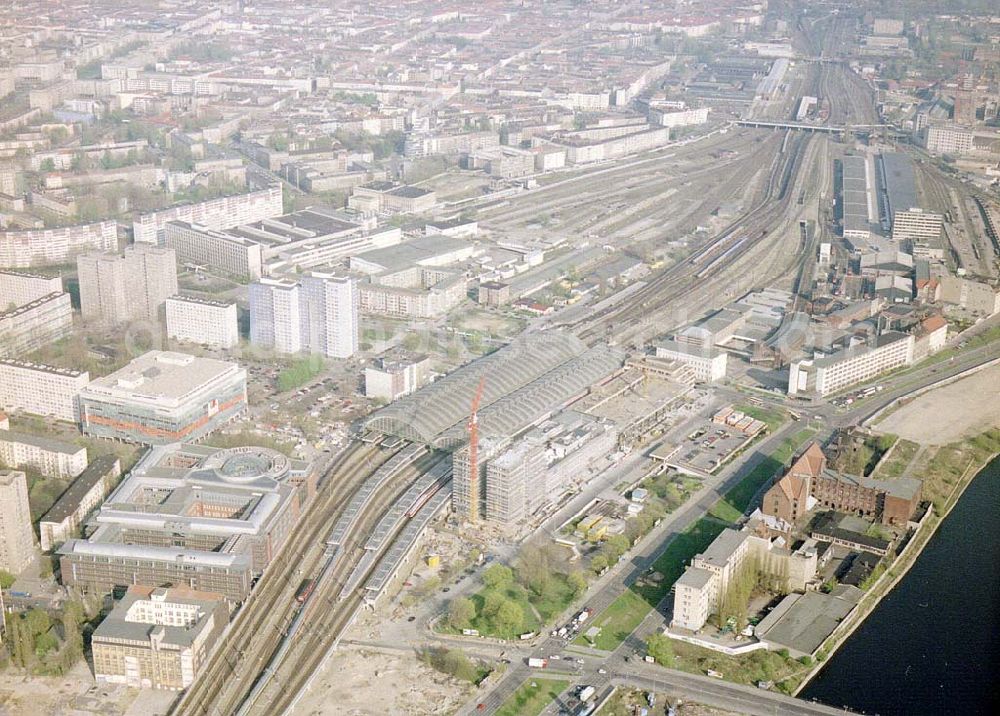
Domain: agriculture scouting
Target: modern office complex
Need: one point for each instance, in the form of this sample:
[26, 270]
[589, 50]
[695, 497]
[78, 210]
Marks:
[35, 324]
[83, 495]
[51, 457]
[822, 376]
[222, 213]
[40, 247]
[18, 288]
[318, 314]
[41, 389]
[115, 289]
[204, 517]
[195, 320]
[17, 538]
[163, 397]
[158, 637]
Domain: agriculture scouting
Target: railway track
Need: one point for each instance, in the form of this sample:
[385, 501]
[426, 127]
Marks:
[271, 607]
[712, 259]
[333, 606]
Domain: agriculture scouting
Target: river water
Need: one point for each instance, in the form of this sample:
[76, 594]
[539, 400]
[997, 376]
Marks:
[932, 646]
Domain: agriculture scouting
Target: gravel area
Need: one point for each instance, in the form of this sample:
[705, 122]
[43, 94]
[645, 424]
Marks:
[949, 413]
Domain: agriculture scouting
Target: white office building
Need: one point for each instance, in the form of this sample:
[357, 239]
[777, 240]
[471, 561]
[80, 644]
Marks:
[274, 315]
[41, 389]
[196, 320]
[829, 374]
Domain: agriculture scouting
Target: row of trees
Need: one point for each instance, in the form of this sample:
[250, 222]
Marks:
[33, 639]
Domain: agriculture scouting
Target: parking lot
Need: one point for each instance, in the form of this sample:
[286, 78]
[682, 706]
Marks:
[708, 446]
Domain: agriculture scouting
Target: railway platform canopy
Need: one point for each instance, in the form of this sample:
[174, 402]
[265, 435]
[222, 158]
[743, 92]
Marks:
[524, 381]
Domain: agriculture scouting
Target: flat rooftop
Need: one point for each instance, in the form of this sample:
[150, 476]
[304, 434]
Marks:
[69, 501]
[160, 374]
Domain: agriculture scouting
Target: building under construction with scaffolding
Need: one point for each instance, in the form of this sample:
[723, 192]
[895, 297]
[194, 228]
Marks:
[526, 381]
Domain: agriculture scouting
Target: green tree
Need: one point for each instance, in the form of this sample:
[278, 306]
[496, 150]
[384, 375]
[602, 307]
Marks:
[577, 582]
[659, 647]
[492, 603]
[48, 165]
[460, 612]
[45, 643]
[6, 579]
[37, 621]
[497, 576]
[458, 665]
[598, 563]
[534, 570]
[509, 619]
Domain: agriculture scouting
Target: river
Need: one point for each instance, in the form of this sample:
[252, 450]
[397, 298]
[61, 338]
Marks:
[932, 646]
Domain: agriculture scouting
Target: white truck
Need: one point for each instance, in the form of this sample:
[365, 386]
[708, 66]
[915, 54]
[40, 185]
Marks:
[536, 662]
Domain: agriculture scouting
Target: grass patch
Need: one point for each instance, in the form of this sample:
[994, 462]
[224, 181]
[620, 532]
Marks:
[532, 697]
[617, 621]
[773, 417]
[746, 669]
[514, 592]
[299, 373]
[897, 462]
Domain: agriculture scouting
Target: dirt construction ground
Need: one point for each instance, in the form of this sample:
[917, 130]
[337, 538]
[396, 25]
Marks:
[363, 682]
[947, 414]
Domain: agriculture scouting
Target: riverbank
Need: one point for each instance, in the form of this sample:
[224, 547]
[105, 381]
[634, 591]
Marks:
[944, 487]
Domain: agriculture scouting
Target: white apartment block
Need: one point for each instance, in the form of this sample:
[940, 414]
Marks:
[18, 288]
[115, 289]
[330, 315]
[916, 225]
[847, 367]
[318, 315]
[17, 538]
[210, 323]
[274, 315]
[223, 213]
[949, 140]
[41, 389]
[35, 324]
[708, 362]
[84, 495]
[38, 247]
[678, 118]
[53, 458]
[225, 252]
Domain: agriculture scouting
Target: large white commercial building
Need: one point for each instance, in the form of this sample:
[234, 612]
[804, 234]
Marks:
[18, 288]
[707, 361]
[41, 389]
[318, 314]
[17, 538]
[35, 324]
[163, 397]
[196, 320]
[115, 289]
[40, 247]
[849, 366]
[223, 213]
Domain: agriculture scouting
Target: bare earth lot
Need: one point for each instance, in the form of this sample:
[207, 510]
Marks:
[363, 682]
[944, 415]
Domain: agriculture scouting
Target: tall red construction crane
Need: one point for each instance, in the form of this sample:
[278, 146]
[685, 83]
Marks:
[473, 428]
